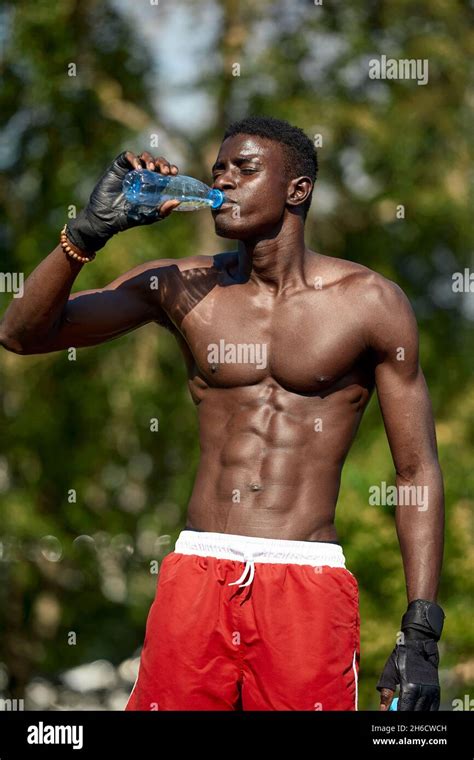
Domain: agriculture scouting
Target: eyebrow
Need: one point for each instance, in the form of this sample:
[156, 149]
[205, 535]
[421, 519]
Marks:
[237, 160]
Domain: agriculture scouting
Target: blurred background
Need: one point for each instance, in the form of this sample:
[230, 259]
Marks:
[90, 499]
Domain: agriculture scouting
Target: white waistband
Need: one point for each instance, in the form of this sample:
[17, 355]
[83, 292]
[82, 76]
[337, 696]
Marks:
[256, 549]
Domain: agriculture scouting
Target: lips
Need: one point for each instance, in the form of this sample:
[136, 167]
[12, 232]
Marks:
[227, 204]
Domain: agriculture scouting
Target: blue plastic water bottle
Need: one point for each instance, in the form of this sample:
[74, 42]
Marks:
[145, 190]
[394, 705]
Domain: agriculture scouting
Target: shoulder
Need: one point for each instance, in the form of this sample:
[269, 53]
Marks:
[202, 261]
[140, 275]
[379, 305]
[367, 287]
[190, 262]
[358, 278]
[387, 316]
[379, 294]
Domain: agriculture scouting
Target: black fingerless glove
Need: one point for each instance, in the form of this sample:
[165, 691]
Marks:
[414, 664]
[108, 211]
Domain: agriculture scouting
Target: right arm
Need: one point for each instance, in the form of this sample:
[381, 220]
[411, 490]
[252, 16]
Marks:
[47, 318]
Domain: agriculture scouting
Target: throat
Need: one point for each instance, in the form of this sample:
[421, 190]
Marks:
[273, 266]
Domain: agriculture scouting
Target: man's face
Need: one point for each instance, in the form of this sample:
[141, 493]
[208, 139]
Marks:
[250, 171]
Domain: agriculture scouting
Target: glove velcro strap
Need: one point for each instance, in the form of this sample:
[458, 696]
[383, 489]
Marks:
[424, 618]
[82, 232]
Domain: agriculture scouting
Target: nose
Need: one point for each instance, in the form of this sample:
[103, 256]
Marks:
[224, 182]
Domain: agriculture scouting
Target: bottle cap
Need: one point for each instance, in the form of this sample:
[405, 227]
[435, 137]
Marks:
[217, 197]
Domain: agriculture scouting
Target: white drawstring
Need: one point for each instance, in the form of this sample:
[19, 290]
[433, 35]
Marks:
[249, 565]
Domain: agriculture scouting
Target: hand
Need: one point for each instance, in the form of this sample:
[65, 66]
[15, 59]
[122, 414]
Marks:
[107, 210]
[414, 666]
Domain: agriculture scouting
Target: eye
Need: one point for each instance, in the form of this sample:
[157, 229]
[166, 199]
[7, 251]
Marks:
[248, 171]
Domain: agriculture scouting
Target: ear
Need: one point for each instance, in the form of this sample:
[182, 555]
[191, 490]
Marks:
[298, 191]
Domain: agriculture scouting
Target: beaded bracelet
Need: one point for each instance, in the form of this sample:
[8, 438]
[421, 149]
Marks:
[73, 251]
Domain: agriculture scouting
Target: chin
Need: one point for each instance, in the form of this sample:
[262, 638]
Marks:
[229, 234]
[238, 229]
[230, 228]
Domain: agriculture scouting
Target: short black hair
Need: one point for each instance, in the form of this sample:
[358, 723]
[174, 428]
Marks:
[299, 154]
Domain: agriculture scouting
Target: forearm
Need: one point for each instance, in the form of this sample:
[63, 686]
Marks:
[33, 317]
[32, 323]
[420, 529]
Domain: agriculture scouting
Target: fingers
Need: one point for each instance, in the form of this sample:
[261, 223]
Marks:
[423, 703]
[164, 166]
[408, 697]
[386, 696]
[167, 207]
[146, 161]
[133, 160]
[428, 699]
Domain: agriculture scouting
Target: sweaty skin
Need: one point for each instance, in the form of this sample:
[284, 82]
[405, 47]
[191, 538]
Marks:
[274, 427]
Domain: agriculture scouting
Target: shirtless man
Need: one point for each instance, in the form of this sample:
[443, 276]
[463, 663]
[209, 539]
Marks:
[255, 608]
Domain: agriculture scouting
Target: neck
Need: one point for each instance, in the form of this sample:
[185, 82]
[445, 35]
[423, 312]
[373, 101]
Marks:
[275, 261]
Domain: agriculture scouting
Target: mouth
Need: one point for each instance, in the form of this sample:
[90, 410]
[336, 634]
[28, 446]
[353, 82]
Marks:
[229, 203]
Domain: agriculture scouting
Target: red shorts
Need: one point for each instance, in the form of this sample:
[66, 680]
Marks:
[248, 623]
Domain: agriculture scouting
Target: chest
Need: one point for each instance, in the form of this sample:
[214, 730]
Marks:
[306, 342]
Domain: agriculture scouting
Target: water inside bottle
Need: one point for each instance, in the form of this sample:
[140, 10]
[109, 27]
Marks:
[145, 191]
[191, 204]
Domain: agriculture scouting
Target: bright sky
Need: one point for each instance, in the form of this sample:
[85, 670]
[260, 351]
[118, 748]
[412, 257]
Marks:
[180, 39]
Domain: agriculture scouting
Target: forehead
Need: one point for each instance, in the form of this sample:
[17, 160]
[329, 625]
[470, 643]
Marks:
[250, 146]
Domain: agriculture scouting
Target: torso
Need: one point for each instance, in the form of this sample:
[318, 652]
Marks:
[280, 400]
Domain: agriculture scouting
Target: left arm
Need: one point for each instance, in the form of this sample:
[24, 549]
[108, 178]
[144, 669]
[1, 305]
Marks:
[408, 418]
[419, 516]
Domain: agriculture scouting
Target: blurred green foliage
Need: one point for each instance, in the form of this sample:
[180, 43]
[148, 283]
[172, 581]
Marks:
[84, 425]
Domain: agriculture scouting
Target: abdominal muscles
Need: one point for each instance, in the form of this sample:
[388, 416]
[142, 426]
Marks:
[271, 460]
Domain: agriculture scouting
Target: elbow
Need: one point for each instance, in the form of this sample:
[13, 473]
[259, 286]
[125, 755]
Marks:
[11, 344]
[426, 468]
[13, 339]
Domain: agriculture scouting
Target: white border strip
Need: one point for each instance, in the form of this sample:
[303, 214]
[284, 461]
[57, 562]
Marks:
[356, 679]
